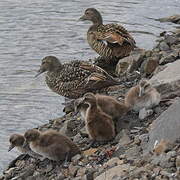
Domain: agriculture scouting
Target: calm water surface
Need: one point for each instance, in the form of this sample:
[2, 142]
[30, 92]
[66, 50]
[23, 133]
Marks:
[32, 29]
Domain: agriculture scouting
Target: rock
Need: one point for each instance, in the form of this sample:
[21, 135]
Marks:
[178, 162]
[169, 58]
[130, 63]
[166, 126]
[167, 80]
[119, 170]
[112, 162]
[150, 65]
[123, 138]
[143, 113]
[73, 170]
[68, 128]
[162, 147]
[170, 39]
[163, 46]
[76, 158]
[174, 19]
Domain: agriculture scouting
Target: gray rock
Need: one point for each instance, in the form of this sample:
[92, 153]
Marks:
[166, 126]
[163, 46]
[170, 39]
[174, 19]
[167, 80]
[119, 170]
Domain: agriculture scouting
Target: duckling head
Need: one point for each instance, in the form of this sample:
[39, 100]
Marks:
[15, 140]
[93, 15]
[144, 86]
[49, 63]
[31, 135]
[89, 98]
[79, 104]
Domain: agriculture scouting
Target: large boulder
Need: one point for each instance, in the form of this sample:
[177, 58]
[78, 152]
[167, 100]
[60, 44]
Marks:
[167, 80]
[166, 127]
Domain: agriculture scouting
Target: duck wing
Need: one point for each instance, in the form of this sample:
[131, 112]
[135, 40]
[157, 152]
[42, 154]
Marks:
[114, 33]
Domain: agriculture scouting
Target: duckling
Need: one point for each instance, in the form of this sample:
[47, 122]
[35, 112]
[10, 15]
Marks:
[142, 96]
[17, 140]
[99, 125]
[108, 104]
[111, 41]
[75, 78]
[51, 144]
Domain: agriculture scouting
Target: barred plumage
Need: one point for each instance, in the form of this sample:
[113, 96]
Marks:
[75, 78]
[110, 41]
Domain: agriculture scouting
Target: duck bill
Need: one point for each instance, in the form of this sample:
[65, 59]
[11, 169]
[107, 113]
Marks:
[82, 18]
[40, 71]
[11, 147]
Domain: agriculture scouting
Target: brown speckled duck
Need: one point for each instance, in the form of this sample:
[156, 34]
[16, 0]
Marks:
[99, 125]
[17, 140]
[111, 41]
[75, 78]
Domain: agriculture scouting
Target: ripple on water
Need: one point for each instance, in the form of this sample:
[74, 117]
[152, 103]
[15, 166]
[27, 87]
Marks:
[33, 29]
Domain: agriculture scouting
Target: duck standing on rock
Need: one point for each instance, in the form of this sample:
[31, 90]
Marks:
[51, 144]
[99, 125]
[75, 78]
[111, 41]
[108, 104]
[18, 140]
[142, 97]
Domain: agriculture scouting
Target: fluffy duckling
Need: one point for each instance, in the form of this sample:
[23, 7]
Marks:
[111, 41]
[18, 140]
[75, 78]
[108, 104]
[99, 125]
[142, 96]
[51, 144]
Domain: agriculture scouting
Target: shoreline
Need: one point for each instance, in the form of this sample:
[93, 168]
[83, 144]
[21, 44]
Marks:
[126, 155]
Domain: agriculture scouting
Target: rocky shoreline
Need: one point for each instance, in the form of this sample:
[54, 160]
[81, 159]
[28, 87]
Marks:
[143, 149]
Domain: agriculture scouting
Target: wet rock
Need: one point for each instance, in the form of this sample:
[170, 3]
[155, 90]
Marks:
[167, 80]
[166, 126]
[174, 19]
[112, 162]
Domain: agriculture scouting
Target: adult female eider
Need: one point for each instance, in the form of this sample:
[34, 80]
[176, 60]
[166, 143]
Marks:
[111, 41]
[75, 78]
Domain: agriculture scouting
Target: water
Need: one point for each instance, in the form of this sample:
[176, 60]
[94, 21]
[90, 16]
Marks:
[32, 29]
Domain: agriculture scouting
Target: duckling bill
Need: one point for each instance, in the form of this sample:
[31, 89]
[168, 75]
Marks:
[75, 78]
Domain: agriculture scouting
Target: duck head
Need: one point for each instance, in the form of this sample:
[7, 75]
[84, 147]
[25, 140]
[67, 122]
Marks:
[31, 135]
[16, 140]
[49, 63]
[93, 15]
